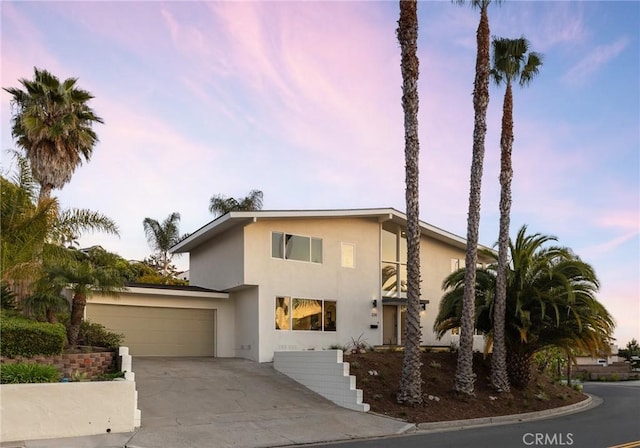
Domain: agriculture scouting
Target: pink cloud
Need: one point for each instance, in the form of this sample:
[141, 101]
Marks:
[594, 60]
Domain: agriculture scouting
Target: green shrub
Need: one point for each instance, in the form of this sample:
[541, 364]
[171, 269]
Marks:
[28, 373]
[109, 376]
[21, 337]
[96, 335]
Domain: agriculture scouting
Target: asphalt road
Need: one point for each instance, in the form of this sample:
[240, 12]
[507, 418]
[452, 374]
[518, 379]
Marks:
[613, 421]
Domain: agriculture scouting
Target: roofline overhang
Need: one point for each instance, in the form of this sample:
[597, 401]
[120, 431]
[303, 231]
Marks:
[242, 218]
[176, 292]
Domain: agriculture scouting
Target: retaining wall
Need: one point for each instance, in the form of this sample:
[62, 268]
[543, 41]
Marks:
[324, 372]
[89, 365]
[57, 410]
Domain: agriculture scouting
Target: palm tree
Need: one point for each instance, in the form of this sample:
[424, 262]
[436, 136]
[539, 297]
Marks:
[53, 124]
[24, 225]
[221, 205]
[84, 275]
[162, 237]
[34, 231]
[410, 390]
[551, 302]
[510, 63]
[464, 377]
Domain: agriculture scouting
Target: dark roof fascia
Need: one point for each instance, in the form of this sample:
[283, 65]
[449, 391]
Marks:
[170, 287]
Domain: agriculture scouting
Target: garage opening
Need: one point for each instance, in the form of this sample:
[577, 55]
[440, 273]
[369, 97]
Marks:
[159, 331]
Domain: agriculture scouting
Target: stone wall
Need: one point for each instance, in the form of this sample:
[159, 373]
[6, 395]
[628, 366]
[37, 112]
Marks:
[86, 365]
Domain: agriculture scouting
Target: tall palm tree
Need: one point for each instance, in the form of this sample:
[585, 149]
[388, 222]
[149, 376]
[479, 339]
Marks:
[551, 302]
[410, 390]
[221, 205]
[511, 62]
[161, 237]
[464, 377]
[54, 125]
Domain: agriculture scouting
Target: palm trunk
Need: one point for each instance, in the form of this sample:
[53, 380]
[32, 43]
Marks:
[464, 377]
[77, 315]
[519, 368]
[51, 316]
[499, 376]
[45, 192]
[410, 389]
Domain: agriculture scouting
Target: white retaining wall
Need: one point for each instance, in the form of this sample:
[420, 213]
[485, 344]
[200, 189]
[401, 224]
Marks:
[324, 372]
[56, 410]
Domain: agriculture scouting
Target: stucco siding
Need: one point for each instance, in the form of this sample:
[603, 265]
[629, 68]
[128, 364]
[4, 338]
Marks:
[353, 289]
[219, 263]
[246, 323]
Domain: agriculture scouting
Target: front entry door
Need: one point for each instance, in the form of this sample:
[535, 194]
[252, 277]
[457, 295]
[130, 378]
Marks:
[390, 325]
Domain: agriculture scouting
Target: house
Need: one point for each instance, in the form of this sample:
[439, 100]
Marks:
[604, 358]
[289, 280]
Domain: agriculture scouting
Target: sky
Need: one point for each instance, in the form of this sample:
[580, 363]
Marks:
[301, 100]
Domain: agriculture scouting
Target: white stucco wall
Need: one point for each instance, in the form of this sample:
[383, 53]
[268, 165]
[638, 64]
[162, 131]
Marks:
[245, 302]
[218, 263]
[43, 411]
[352, 288]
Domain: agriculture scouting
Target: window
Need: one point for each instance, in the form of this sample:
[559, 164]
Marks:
[394, 260]
[305, 314]
[458, 263]
[295, 247]
[283, 315]
[348, 255]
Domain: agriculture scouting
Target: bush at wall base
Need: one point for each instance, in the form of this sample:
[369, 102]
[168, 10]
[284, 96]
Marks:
[22, 337]
[28, 373]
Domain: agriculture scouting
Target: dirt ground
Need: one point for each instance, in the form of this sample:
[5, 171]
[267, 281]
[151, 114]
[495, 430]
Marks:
[378, 375]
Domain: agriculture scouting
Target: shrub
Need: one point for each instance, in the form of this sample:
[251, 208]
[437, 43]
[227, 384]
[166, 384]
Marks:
[28, 373]
[96, 335]
[21, 337]
[109, 376]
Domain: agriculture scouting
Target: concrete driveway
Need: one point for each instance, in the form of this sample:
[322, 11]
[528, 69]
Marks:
[214, 402]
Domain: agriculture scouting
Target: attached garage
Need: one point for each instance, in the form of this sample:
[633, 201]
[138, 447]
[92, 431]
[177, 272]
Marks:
[154, 331]
[159, 320]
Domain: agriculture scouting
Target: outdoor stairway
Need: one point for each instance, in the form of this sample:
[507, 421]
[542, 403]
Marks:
[324, 372]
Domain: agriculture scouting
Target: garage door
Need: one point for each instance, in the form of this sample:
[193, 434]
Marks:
[154, 331]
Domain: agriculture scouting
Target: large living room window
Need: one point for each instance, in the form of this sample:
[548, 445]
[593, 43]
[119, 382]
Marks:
[305, 314]
[394, 260]
[296, 247]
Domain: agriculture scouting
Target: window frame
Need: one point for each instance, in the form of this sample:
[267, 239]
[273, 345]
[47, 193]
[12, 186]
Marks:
[400, 262]
[283, 248]
[289, 302]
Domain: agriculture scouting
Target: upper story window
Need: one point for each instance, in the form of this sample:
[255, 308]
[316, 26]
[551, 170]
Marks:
[296, 247]
[348, 255]
[394, 259]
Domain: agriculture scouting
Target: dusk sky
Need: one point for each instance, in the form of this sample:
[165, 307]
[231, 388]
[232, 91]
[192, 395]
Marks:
[302, 101]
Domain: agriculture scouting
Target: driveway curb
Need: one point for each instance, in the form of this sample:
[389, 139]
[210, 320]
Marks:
[454, 425]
